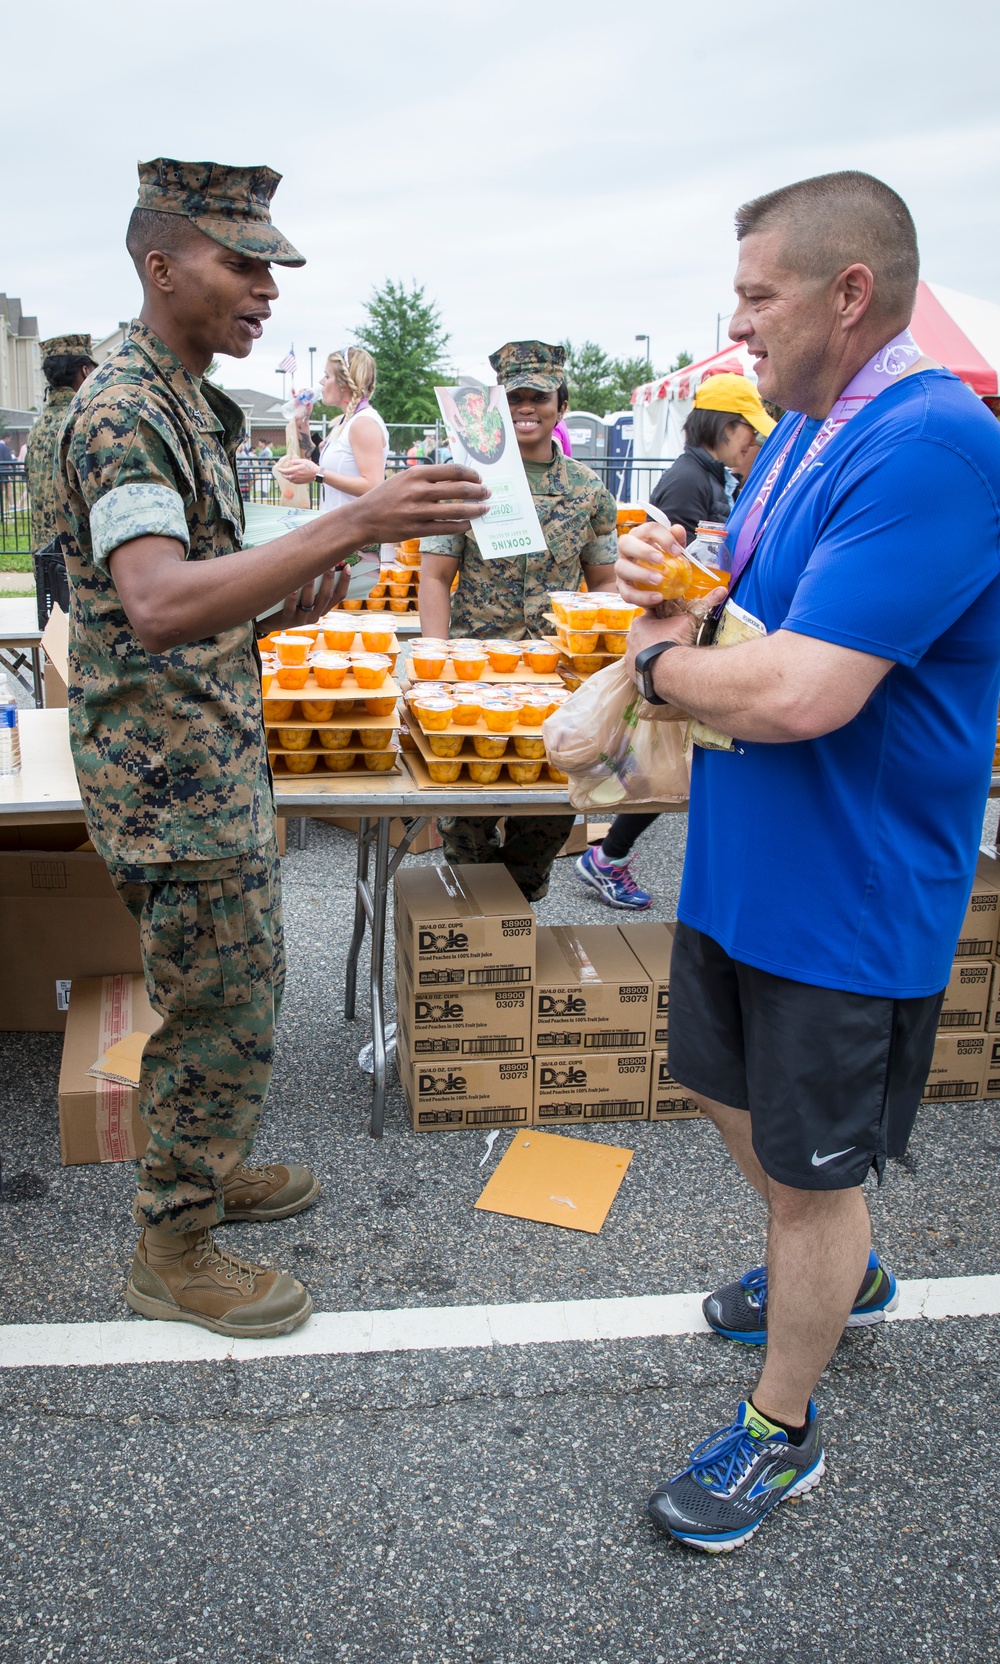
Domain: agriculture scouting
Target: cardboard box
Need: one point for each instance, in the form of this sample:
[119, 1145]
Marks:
[573, 1090]
[463, 927]
[959, 1069]
[468, 1095]
[993, 1015]
[591, 993]
[652, 945]
[462, 1022]
[980, 928]
[60, 918]
[668, 1099]
[98, 1119]
[967, 996]
[991, 1085]
[55, 645]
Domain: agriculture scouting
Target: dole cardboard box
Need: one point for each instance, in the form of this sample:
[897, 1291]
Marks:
[463, 927]
[991, 1085]
[462, 1022]
[959, 1068]
[99, 1119]
[591, 993]
[60, 918]
[575, 1089]
[981, 925]
[467, 1094]
[652, 945]
[967, 996]
[668, 1100]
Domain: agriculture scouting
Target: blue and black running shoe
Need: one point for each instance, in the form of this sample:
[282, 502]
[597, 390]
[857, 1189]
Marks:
[613, 882]
[734, 1480]
[739, 1310]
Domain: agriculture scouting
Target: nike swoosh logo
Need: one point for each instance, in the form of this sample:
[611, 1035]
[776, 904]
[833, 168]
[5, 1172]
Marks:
[821, 1161]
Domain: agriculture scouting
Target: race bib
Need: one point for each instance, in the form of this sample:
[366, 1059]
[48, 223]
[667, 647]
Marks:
[735, 625]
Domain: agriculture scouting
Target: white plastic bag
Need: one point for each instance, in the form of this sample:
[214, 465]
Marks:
[612, 755]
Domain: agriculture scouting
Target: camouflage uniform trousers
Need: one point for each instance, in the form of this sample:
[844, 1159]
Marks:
[530, 845]
[213, 955]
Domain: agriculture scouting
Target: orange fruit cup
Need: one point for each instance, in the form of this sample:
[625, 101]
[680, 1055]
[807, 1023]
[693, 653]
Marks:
[381, 705]
[615, 641]
[582, 614]
[527, 746]
[279, 710]
[587, 663]
[533, 712]
[444, 774]
[500, 719]
[409, 546]
[446, 745]
[486, 746]
[467, 711]
[301, 762]
[434, 712]
[339, 638]
[292, 675]
[317, 710]
[338, 762]
[396, 605]
[540, 657]
[374, 739]
[376, 590]
[330, 669]
[615, 614]
[558, 601]
[311, 631]
[578, 641]
[370, 670]
[524, 774]
[292, 649]
[294, 739]
[377, 638]
[266, 678]
[398, 591]
[557, 774]
[427, 666]
[335, 739]
[484, 774]
[380, 762]
[376, 603]
[469, 667]
[504, 659]
[351, 605]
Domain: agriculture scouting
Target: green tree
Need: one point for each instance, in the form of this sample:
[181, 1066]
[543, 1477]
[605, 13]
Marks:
[681, 362]
[403, 333]
[589, 377]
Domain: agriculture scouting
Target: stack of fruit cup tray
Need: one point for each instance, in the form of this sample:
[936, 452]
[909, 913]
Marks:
[499, 662]
[592, 631]
[397, 589]
[331, 711]
[480, 735]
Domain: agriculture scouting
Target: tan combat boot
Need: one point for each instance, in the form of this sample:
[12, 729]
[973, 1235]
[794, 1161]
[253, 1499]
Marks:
[259, 1193]
[188, 1279]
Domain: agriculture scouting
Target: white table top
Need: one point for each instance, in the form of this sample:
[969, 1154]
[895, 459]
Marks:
[19, 622]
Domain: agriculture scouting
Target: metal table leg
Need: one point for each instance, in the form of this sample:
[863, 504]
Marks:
[358, 936]
[36, 675]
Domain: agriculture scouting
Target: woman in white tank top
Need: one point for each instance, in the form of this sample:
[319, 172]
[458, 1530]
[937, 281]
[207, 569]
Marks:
[353, 456]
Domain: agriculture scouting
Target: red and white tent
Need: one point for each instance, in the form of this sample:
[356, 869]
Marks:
[958, 330]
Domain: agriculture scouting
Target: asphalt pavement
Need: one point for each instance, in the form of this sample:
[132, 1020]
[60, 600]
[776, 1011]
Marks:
[486, 1505]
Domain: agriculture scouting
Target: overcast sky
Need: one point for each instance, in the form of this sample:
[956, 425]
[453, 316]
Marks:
[546, 168]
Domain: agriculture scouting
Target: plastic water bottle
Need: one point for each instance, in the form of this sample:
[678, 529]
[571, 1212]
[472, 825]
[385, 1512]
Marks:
[10, 738]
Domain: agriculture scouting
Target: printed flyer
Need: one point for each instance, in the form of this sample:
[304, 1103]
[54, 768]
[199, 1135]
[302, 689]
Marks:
[481, 435]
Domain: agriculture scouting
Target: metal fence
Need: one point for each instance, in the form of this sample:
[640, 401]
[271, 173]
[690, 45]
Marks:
[627, 480]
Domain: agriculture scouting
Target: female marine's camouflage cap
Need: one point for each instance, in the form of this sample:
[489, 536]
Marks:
[70, 346]
[530, 364]
[231, 205]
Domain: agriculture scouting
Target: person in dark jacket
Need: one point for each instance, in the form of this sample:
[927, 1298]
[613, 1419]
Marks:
[724, 430]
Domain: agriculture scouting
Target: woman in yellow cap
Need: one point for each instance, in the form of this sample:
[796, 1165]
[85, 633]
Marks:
[724, 430]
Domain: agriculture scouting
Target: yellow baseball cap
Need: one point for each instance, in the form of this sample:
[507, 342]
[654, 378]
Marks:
[737, 395]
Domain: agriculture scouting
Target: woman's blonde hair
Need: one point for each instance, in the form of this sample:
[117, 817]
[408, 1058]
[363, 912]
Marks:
[355, 370]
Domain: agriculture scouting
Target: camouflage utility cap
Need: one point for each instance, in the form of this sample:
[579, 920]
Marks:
[231, 205]
[530, 364]
[73, 346]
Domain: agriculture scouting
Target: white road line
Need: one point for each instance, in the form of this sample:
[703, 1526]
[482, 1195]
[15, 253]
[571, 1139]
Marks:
[431, 1328]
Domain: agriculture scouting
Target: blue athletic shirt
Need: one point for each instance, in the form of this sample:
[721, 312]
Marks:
[848, 861]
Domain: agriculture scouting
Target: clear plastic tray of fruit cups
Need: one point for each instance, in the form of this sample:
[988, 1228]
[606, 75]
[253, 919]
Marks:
[591, 610]
[363, 743]
[339, 764]
[473, 661]
[478, 746]
[510, 775]
[316, 681]
[604, 645]
[336, 632]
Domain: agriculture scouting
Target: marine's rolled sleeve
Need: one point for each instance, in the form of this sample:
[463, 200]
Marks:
[140, 510]
[453, 547]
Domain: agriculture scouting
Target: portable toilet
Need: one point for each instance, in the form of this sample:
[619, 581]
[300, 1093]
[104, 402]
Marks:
[621, 431]
[588, 435]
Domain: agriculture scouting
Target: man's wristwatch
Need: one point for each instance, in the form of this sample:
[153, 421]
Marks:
[644, 671]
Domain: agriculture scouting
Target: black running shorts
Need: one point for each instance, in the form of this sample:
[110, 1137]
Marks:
[832, 1081]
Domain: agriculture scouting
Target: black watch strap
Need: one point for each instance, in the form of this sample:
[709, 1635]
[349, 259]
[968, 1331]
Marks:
[644, 662]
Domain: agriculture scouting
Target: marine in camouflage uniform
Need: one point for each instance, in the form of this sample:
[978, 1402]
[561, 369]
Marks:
[77, 353]
[510, 597]
[169, 747]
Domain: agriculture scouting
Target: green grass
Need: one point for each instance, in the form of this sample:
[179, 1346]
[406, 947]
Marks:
[16, 559]
[17, 594]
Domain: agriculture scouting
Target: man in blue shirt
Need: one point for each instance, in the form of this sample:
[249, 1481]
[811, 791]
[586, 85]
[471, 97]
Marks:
[845, 720]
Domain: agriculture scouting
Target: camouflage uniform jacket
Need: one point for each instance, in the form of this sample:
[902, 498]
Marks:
[169, 747]
[43, 441]
[509, 597]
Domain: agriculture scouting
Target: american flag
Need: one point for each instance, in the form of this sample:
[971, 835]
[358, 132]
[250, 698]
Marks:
[288, 362]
